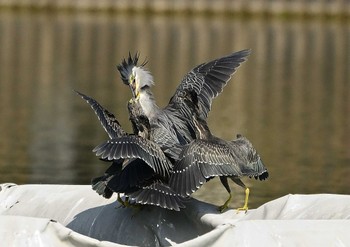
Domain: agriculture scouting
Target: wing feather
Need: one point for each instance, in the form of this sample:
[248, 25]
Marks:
[107, 119]
[209, 79]
[158, 194]
[200, 161]
[132, 146]
[248, 159]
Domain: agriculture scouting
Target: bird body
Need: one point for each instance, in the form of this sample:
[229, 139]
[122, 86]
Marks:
[207, 80]
[172, 151]
[202, 160]
[139, 167]
[203, 156]
[209, 156]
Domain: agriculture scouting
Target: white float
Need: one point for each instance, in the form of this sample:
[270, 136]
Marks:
[74, 215]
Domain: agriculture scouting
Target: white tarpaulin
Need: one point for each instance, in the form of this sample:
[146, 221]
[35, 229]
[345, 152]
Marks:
[74, 215]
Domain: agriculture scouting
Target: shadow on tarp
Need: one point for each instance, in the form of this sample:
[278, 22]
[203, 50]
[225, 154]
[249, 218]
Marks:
[148, 226]
[26, 210]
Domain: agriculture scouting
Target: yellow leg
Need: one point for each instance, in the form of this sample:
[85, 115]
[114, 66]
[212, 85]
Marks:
[225, 206]
[120, 200]
[125, 203]
[245, 206]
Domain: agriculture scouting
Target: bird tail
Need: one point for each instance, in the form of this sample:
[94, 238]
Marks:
[262, 172]
[158, 194]
[99, 184]
[252, 164]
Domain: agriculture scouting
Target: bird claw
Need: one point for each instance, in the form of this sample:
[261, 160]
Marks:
[121, 202]
[222, 208]
[125, 203]
[244, 208]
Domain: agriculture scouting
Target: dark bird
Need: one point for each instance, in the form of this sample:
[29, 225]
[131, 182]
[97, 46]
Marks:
[206, 81]
[139, 167]
[208, 156]
[174, 121]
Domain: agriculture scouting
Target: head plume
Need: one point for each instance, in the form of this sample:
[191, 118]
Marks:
[126, 66]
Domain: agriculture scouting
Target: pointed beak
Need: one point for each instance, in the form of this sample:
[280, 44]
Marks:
[132, 91]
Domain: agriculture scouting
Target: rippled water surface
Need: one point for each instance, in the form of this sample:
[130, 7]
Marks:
[291, 98]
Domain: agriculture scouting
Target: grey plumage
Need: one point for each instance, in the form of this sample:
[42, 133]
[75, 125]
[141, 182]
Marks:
[139, 167]
[135, 147]
[209, 156]
[107, 119]
[207, 80]
[204, 159]
[177, 136]
[206, 156]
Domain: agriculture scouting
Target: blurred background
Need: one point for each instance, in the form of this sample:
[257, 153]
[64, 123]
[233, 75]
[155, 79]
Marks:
[291, 98]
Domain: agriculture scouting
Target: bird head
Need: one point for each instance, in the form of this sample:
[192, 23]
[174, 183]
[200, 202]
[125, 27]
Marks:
[134, 75]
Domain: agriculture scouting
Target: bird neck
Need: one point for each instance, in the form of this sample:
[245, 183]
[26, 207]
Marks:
[204, 133]
[148, 103]
[201, 129]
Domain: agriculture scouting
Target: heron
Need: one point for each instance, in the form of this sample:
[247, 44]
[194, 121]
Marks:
[139, 167]
[208, 156]
[207, 80]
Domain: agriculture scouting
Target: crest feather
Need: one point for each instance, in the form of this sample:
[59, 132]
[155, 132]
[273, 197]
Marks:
[126, 66]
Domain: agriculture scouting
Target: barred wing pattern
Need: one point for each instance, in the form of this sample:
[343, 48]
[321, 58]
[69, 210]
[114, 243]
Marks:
[209, 79]
[167, 137]
[128, 147]
[200, 161]
[158, 194]
[251, 164]
[139, 165]
[107, 119]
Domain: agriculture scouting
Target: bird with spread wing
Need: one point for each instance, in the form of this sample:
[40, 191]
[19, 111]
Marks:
[204, 157]
[139, 167]
[207, 80]
[208, 157]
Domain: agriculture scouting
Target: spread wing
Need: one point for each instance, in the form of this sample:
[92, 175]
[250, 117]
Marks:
[107, 119]
[167, 138]
[131, 146]
[209, 79]
[200, 161]
[158, 194]
[100, 184]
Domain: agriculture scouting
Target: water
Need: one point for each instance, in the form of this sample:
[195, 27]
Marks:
[291, 98]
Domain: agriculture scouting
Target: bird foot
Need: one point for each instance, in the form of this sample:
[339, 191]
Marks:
[222, 208]
[225, 206]
[126, 203]
[121, 202]
[244, 208]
